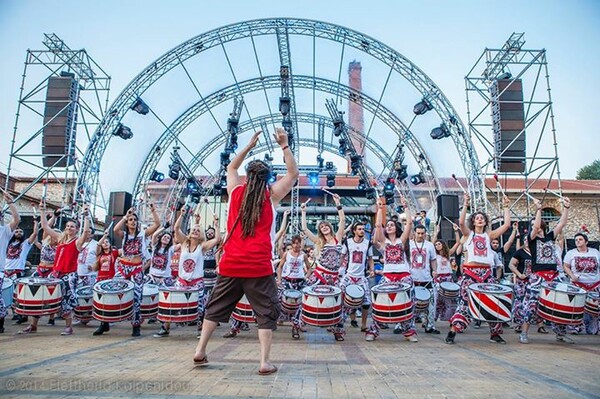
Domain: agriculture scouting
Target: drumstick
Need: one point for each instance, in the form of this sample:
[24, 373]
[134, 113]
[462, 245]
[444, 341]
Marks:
[327, 191]
[110, 225]
[529, 195]
[307, 201]
[34, 211]
[554, 192]
[453, 224]
[498, 185]
[458, 182]
[44, 188]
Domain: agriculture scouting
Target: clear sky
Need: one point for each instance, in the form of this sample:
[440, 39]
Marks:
[444, 38]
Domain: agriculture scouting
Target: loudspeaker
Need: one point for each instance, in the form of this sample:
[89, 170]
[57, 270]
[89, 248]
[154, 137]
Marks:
[60, 119]
[447, 206]
[446, 232]
[119, 203]
[508, 120]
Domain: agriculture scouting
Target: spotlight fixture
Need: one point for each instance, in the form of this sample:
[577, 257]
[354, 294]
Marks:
[362, 185]
[422, 107]
[389, 184]
[193, 186]
[402, 173]
[313, 178]
[223, 181]
[174, 170]
[320, 161]
[232, 125]
[285, 105]
[355, 161]
[343, 147]
[417, 179]
[140, 107]
[123, 132]
[338, 127]
[330, 180]
[441, 132]
[272, 178]
[371, 193]
[157, 176]
[329, 165]
[225, 159]
[505, 75]
[268, 158]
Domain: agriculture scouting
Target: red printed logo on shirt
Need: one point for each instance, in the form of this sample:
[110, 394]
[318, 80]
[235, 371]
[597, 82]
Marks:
[479, 246]
[394, 254]
[189, 265]
[417, 259]
[357, 257]
[586, 264]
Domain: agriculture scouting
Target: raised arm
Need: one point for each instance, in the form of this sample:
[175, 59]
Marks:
[283, 227]
[378, 236]
[282, 187]
[564, 217]
[16, 219]
[156, 234]
[537, 222]
[506, 225]
[213, 242]
[409, 221]
[180, 236]
[86, 228]
[342, 224]
[45, 226]
[233, 177]
[311, 236]
[454, 248]
[155, 221]
[33, 237]
[462, 222]
[118, 229]
[511, 239]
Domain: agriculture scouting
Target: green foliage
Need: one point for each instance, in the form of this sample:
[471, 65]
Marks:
[590, 172]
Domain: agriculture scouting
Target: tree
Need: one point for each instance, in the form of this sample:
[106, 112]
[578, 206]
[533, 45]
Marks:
[590, 172]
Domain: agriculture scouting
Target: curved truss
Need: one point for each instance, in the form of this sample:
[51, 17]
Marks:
[272, 26]
[301, 81]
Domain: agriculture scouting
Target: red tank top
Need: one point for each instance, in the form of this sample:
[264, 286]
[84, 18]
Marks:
[248, 257]
[107, 265]
[65, 260]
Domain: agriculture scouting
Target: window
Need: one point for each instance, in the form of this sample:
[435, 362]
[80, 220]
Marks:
[550, 215]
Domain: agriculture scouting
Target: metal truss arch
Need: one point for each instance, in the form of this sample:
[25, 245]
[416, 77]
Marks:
[307, 82]
[89, 174]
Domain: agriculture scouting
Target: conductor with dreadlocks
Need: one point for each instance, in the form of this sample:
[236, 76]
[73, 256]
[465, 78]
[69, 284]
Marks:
[245, 266]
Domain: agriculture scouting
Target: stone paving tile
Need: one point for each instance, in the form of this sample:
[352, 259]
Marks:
[117, 365]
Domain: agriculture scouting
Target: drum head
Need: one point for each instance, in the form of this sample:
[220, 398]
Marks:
[292, 294]
[563, 287]
[37, 281]
[6, 284]
[422, 294]
[85, 291]
[449, 286]
[355, 291]
[490, 288]
[393, 287]
[593, 296]
[322, 290]
[113, 285]
[150, 289]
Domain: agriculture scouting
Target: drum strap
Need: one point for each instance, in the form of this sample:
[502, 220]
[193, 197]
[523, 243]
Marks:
[548, 275]
[587, 287]
[426, 284]
[471, 272]
[189, 283]
[396, 276]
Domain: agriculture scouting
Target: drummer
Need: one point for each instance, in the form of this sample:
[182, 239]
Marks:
[478, 266]
[393, 244]
[129, 264]
[47, 254]
[422, 262]
[328, 245]
[544, 268]
[160, 262]
[582, 265]
[443, 271]
[191, 264]
[291, 275]
[358, 253]
[65, 266]
[6, 232]
[104, 266]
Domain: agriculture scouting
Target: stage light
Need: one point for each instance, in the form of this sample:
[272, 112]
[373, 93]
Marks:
[422, 107]
[320, 162]
[233, 142]
[417, 179]
[338, 127]
[330, 180]
[272, 178]
[362, 185]
[313, 178]
[193, 186]
[157, 176]
[343, 147]
[223, 181]
[268, 158]
[505, 75]
[329, 165]
[195, 198]
[123, 132]
[441, 132]
[232, 126]
[174, 170]
[402, 174]
[371, 193]
[140, 107]
[285, 105]
[389, 184]
[225, 159]
[355, 162]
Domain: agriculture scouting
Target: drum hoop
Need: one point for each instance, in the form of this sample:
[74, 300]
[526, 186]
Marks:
[552, 286]
[479, 287]
[378, 289]
[37, 281]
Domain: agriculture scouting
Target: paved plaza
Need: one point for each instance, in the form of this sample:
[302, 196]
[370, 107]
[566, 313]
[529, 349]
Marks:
[116, 365]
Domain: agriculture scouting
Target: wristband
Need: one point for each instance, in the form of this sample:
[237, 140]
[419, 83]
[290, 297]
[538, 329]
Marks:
[285, 148]
[339, 207]
[566, 207]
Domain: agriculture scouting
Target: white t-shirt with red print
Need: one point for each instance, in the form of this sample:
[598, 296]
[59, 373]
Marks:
[585, 265]
[421, 255]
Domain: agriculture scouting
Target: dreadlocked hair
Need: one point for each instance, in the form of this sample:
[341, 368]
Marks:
[257, 175]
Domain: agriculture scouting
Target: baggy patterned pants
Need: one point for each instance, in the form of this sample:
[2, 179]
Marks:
[406, 327]
[462, 318]
[291, 284]
[69, 290]
[3, 308]
[520, 288]
[134, 273]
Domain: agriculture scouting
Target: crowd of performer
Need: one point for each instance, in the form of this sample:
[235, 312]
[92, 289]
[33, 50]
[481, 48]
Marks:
[418, 279]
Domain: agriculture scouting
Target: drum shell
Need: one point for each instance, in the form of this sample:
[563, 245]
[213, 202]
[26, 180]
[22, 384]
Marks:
[561, 303]
[449, 290]
[112, 305]
[322, 305]
[8, 288]
[391, 303]
[83, 310]
[290, 301]
[354, 296]
[37, 296]
[490, 302]
[422, 297]
[592, 304]
[177, 305]
[149, 305]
